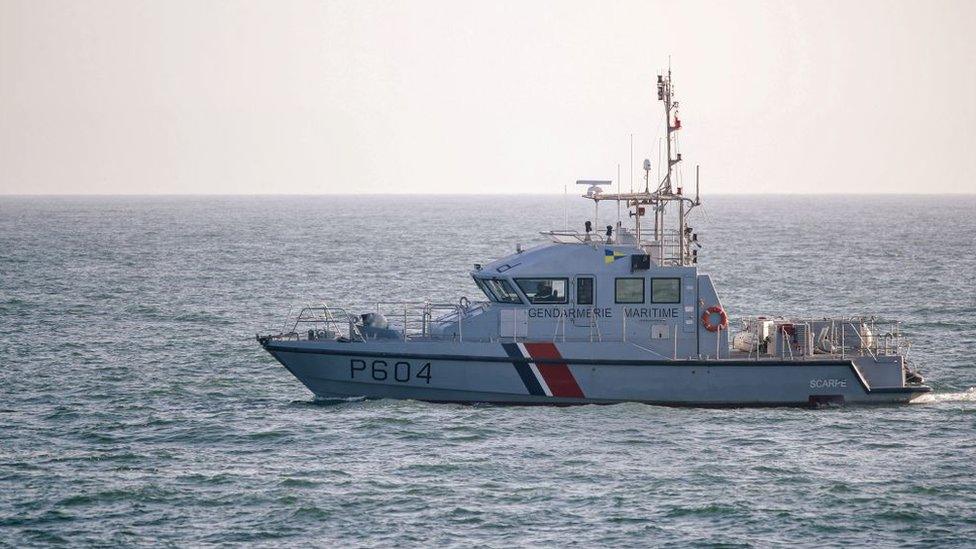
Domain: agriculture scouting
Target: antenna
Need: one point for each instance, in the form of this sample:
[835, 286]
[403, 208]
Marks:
[697, 195]
[665, 93]
[594, 186]
[631, 162]
[647, 175]
[618, 192]
[565, 205]
[659, 159]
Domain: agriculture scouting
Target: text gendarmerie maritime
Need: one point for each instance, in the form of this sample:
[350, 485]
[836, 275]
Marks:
[603, 312]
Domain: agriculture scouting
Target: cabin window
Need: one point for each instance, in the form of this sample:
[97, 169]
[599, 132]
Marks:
[544, 290]
[629, 290]
[483, 286]
[665, 290]
[503, 291]
[584, 290]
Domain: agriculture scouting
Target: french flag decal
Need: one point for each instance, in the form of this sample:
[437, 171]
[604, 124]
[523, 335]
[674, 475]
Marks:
[550, 378]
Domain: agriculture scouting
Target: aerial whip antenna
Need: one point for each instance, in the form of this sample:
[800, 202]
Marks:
[697, 195]
[631, 162]
[618, 192]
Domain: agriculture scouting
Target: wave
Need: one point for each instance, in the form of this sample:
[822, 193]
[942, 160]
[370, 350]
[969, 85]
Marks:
[969, 395]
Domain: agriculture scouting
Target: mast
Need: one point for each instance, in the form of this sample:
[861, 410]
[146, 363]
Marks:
[668, 246]
[665, 93]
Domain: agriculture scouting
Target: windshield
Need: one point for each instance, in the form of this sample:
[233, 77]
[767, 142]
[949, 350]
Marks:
[501, 290]
[484, 288]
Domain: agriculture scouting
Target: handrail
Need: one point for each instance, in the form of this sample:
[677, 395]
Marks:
[432, 321]
[330, 318]
[412, 320]
[869, 336]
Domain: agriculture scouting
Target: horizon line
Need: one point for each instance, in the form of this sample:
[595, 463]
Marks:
[404, 194]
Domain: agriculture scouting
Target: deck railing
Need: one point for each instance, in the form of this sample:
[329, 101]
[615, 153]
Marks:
[429, 321]
[426, 320]
[403, 320]
[320, 322]
[848, 336]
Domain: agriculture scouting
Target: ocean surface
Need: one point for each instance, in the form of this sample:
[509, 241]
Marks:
[137, 409]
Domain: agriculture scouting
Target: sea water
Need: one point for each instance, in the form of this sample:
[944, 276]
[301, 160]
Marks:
[136, 408]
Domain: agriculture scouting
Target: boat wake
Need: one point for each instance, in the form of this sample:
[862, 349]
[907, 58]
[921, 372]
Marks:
[969, 395]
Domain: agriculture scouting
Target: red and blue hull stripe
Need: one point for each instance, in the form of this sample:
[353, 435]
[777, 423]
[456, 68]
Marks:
[550, 376]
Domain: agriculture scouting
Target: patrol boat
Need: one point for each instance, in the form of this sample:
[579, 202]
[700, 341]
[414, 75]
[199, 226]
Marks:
[620, 314]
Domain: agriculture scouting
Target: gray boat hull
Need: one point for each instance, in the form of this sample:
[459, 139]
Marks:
[544, 374]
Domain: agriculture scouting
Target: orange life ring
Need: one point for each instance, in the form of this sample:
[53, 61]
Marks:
[723, 319]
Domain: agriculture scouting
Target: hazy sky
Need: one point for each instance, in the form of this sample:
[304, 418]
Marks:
[478, 97]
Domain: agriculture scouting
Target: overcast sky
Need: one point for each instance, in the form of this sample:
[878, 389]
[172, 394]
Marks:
[482, 97]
